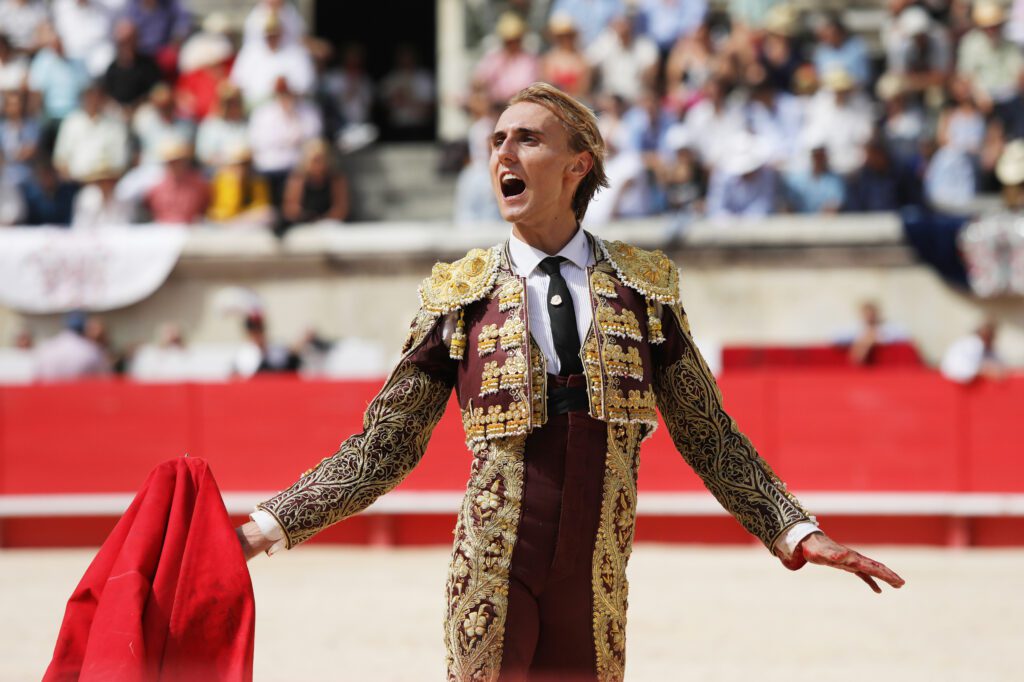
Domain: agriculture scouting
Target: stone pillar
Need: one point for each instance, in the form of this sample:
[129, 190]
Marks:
[452, 69]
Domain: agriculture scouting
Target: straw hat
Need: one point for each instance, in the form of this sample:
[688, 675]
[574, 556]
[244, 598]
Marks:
[561, 24]
[914, 21]
[510, 26]
[679, 137]
[216, 22]
[889, 86]
[102, 170]
[782, 19]
[175, 149]
[987, 14]
[237, 153]
[1010, 167]
[838, 80]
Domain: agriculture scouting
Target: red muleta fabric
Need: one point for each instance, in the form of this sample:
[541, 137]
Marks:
[168, 596]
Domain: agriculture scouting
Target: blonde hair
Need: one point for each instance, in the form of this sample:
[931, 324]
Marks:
[584, 136]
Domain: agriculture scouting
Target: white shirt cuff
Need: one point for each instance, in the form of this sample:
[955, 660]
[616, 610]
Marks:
[786, 544]
[270, 528]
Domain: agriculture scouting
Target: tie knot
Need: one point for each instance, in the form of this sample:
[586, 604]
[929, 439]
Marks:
[552, 264]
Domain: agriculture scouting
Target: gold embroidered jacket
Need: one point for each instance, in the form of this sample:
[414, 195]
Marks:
[472, 333]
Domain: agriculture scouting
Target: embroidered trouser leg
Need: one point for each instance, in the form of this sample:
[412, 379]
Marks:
[549, 627]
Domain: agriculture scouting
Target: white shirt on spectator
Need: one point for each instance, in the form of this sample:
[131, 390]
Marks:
[621, 67]
[963, 360]
[353, 94]
[713, 130]
[276, 136]
[258, 67]
[92, 212]
[84, 27]
[13, 74]
[21, 21]
[293, 26]
[68, 356]
[85, 143]
[217, 136]
[845, 129]
[12, 203]
[153, 131]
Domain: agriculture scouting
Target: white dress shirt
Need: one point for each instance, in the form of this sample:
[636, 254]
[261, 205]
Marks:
[579, 256]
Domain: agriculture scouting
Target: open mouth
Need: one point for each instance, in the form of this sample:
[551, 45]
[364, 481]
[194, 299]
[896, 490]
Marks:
[512, 185]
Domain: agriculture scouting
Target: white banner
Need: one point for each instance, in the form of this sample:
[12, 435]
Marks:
[53, 270]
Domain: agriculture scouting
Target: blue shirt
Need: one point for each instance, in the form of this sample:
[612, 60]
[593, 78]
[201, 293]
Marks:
[59, 80]
[589, 16]
[851, 56]
[810, 193]
[46, 209]
[667, 20]
[737, 195]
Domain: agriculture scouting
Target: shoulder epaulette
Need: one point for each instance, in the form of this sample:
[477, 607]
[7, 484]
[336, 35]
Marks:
[454, 285]
[651, 273]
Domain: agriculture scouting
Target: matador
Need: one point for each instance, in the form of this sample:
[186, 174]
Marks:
[562, 348]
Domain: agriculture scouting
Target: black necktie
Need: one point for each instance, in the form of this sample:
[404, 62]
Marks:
[563, 317]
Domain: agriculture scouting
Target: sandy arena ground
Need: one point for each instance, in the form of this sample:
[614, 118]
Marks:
[707, 614]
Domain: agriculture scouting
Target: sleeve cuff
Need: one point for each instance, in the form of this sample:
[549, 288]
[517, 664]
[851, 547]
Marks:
[786, 544]
[270, 528]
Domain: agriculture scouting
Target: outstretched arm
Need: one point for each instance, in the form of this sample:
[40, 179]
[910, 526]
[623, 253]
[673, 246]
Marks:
[711, 443]
[396, 428]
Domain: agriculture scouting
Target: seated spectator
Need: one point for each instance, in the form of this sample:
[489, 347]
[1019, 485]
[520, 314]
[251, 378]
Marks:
[19, 138]
[278, 129]
[97, 206]
[239, 196]
[880, 184]
[316, 189]
[21, 20]
[49, 200]
[961, 124]
[131, 75]
[85, 27]
[13, 67]
[714, 121]
[624, 62]
[474, 196]
[669, 20]
[162, 26]
[778, 54]
[259, 356]
[904, 124]
[777, 119]
[89, 134]
[874, 332]
[56, 78]
[183, 195]
[993, 65]
[204, 64]
[682, 177]
[974, 356]
[590, 17]
[688, 67]
[508, 68]
[564, 65]
[12, 204]
[743, 184]
[77, 352]
[817, 189]
[839, 50]
[293, 26]
[918, 50]
[157, 121]
[950, 180]
[259, 66]
[346, 93]
[407, 93]
[226, 128]
[644, 125]
[843, 118]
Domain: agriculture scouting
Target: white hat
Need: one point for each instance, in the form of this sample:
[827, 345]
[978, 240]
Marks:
[987, 14]
[913, 21]
[175, 148]
[1010, 167]
[838, 79]
[746, 153]
[679, 137]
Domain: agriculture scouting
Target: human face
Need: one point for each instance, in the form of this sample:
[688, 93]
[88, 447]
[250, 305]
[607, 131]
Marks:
[533, 171]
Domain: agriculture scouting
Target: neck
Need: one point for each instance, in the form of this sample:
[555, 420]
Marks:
[551, 237]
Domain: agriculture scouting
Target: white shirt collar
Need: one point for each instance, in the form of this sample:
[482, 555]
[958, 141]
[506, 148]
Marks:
[525, 257]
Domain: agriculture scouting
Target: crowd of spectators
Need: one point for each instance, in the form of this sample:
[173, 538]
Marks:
[767, 107]
[137, 111]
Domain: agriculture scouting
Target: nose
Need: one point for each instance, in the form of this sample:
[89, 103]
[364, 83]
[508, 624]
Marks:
[505, 151]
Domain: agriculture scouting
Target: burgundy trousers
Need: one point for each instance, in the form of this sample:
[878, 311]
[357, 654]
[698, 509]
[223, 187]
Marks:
[549, 626]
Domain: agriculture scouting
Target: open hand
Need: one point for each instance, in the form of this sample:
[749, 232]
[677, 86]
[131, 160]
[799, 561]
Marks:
[818, 548]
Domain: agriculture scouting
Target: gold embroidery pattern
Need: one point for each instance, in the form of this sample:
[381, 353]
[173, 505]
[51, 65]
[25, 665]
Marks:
[418, 330]
[595, 377]
[655, 335]
[649, 272]
[512, 332]
[490, 377]
[496, 421]
[623, 363]
[454, 285]
[635, 406]
[603, 285]
[513, 372]
[396, 428]
[612, 548]
[457, 348]
[624, 324]
[539, 383]
[485, 535]
[718, 452]
[510, 296]
[487, 340]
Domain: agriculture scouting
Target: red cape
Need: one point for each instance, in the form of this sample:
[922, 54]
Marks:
[168, 596]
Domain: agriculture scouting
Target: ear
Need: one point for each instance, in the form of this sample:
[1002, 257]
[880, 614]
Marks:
[581, 165]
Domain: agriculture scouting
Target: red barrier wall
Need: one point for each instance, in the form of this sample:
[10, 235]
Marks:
[822, 429]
